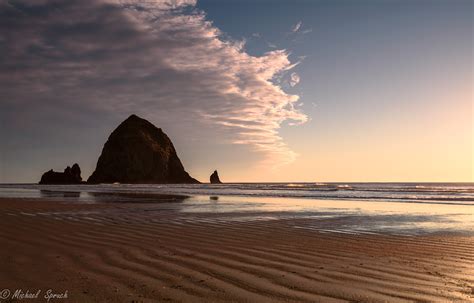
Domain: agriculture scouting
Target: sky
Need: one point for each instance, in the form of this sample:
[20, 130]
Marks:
[313, 91]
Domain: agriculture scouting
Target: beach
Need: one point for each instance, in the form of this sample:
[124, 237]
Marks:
[236, 151]
[136, 252]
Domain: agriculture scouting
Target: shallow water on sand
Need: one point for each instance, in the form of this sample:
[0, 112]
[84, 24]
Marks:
[353, 216]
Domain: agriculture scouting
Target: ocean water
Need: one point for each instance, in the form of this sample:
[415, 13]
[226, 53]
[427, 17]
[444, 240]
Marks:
[433, 193]
[395, 208]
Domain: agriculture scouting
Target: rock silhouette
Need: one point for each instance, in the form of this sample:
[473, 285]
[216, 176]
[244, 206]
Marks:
[69, 176]
[214, 178]
[139, 152]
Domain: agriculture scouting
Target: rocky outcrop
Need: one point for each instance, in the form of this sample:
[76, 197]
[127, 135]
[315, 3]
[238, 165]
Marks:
[215, 178]
[139, 152]
[71, 175]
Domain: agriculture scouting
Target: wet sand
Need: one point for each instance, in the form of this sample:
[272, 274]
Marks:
[123, 253]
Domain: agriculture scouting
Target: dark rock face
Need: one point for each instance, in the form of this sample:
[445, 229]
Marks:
[69, 176]
[139, 152]
[215, 178]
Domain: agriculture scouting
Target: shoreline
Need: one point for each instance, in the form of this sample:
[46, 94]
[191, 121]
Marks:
[114, 252]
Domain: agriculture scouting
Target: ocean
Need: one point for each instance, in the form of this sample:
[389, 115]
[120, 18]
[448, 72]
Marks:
[434, 193]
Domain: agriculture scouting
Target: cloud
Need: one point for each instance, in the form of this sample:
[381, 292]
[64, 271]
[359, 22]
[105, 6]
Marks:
[271, 45]
[297, 27]
[298, 30]
[294, 79]
[162, 59]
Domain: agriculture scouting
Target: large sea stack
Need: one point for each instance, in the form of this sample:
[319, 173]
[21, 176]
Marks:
[139, 152]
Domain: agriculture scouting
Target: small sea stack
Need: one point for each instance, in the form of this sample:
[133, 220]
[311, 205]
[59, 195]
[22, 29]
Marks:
[71, 175]
[214, 178]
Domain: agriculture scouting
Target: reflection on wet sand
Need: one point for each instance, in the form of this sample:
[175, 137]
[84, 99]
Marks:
[100, 197]
[59, 194]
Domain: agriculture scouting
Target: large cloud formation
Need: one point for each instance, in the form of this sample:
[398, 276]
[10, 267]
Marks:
[155, 57]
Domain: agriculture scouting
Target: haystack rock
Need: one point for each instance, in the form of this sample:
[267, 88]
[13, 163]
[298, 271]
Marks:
[139, 152]
[215, 178]
[69, 176]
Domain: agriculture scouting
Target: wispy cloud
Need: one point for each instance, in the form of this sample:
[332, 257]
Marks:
[294, 79]
[162, 59]
[271, 45]
[297, 27]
